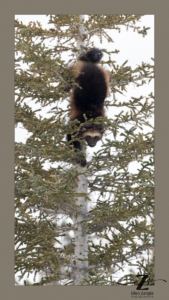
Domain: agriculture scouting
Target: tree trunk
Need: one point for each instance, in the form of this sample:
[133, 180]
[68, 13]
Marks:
[81, 240]
[80, 42]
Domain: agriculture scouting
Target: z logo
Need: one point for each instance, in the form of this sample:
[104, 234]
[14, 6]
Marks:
[143, 280]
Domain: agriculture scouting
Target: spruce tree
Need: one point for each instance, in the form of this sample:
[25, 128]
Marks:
[55, 234]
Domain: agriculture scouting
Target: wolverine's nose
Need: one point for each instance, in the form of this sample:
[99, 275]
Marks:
[92, 145]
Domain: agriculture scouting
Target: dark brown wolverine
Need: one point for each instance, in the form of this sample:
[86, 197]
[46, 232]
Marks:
[88, 97]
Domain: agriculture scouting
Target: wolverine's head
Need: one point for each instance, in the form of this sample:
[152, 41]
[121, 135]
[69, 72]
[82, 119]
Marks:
[91, 133]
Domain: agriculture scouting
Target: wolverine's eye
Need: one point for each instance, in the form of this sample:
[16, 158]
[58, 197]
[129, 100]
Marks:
[87, 137]
[96, 138]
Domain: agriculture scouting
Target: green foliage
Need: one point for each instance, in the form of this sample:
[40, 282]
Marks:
[120, 225]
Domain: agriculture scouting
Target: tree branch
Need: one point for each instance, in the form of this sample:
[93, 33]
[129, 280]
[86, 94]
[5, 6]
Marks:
[132, 81]
[61, 78]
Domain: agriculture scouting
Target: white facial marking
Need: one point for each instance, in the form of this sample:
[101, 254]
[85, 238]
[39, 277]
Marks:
[92, 133]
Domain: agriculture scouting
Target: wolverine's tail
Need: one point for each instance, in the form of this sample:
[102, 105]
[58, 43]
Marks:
[93, 55]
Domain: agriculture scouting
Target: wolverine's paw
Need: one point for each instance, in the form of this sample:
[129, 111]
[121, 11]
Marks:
[83, 163]
[94, 55]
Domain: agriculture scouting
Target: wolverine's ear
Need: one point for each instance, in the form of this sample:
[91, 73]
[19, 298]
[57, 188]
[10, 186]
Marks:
[83, 129]
[102, 131]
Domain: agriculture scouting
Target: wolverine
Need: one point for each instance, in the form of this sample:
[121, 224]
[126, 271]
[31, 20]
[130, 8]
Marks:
[87, 97]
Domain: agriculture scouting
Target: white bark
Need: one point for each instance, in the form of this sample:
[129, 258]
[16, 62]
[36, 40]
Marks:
[80, 42]
[81, 239]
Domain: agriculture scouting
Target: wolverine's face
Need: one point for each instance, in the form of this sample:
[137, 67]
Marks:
[91, 136]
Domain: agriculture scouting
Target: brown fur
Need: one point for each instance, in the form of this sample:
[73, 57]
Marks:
[87, 98]
[74, 112]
